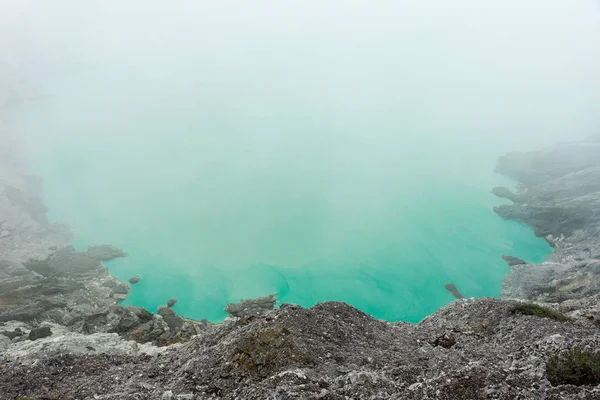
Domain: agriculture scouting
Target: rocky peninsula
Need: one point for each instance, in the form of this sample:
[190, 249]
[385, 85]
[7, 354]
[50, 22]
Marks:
[63, 334]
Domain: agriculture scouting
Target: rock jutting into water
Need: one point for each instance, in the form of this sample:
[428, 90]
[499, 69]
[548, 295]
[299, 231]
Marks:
[512, 261]
[470, 349]
[252, 307]
[454, 290]
[134, 279]
[105, 252]
[171, 302]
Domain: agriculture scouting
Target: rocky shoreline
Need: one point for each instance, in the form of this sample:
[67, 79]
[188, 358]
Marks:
[559, 196]
[63, 334]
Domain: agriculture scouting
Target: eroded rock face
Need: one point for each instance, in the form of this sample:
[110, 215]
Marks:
[43, 289]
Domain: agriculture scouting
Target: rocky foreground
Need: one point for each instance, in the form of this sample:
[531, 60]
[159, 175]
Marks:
[63, 334]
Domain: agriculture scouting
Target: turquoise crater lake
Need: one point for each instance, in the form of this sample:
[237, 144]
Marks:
[222, 190]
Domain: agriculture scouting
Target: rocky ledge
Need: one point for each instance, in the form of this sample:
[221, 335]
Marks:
[63, 334]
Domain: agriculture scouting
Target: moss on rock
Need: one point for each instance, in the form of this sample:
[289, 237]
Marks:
[538, 311]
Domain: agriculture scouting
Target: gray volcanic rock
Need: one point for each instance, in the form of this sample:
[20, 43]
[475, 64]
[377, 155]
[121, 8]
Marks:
[63, 340]
[118, 287]
[251, 307]
[42, 289]
[562, 216]
[553, 282]
[40, 333]
[562, 184]
[66, 262]
[161, 329]
[171, 302]
[170, 317]
[332, 351]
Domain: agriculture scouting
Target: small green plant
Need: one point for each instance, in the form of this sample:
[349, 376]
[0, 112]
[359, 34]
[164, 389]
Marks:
[574, 367]
[538, 311]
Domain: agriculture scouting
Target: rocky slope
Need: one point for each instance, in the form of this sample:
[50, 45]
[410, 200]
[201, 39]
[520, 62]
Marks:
[471, 349]
[63, 334]
[559, 196]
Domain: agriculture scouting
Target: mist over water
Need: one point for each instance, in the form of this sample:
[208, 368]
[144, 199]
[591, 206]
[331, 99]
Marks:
[318, 150]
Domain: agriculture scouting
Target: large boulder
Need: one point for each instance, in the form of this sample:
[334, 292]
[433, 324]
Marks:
[40, 333]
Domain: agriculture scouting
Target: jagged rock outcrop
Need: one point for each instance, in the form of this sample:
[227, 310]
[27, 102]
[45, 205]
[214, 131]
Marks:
[162, 329]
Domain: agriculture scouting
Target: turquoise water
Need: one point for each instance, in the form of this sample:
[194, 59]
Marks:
[221, 192]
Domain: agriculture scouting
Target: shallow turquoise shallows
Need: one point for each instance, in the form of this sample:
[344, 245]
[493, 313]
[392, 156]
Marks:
[226, 189]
